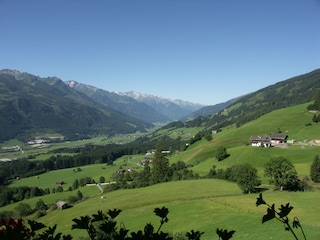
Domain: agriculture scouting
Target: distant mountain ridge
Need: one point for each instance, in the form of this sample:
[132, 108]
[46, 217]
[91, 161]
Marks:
[174, 109]
[123, 104]
[209, 110]
[33, 105]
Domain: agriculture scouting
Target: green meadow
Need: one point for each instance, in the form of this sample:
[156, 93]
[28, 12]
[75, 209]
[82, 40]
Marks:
[204, 204]
[68, 175]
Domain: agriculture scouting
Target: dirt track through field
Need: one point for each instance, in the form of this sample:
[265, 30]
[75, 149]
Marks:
[194, 154]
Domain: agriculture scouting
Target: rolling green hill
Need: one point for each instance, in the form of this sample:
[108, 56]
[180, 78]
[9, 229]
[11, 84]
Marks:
[206, 204]
[33, 106]
[293, 121]
[202, 205]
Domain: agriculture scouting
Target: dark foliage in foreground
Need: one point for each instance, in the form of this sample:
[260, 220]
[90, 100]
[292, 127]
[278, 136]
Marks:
[281, 215]
[99, 226]
[103, 226]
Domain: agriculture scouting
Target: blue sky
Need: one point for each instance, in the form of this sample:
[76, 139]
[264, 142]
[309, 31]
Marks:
[203, 51]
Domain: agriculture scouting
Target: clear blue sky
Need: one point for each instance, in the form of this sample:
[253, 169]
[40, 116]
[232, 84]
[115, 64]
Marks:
[203, 51]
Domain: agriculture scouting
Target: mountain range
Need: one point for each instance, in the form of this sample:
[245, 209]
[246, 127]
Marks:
[32, 106]
[150, 108]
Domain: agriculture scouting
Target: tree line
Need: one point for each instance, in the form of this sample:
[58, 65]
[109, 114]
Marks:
[280, 171]
[89, 154]
[161, 171]
[10, 195]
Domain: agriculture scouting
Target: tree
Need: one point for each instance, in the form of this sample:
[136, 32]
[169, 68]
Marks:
[315, 118]
[40, 205]
[315, 169]
[208, 137]
[75, 184]
[59, 189]
[79, 195]
[212, 172]
[160, 166]
[282, 173]
[23, 209]
[221, 153]
[246, 177]
[142, 178]
[102, 179]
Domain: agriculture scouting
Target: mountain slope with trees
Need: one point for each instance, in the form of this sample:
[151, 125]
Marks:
[33, 105]
[291, 92]
[209, 110]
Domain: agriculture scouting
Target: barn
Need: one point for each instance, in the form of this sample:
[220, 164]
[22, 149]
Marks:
[62, 204]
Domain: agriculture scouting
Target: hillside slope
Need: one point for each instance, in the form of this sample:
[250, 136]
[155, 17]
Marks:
[296, 122]
[209, 110]
[32, 105]
[294, 91]
[291, 92]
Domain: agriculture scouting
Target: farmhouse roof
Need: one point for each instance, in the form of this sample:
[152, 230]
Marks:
[61, 204]
[278, 136]
[259, 139]
[59, 182]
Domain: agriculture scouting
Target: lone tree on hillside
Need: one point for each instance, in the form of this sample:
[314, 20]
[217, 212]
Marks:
[282, 173]
[221, 153]
[246, 177]
[102, 179]
[23, 209]
[160, 166]
[315, 169]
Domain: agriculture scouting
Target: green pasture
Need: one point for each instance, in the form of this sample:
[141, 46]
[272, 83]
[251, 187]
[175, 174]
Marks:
[203, 157]
[292, 121]
[201, 205]
[68, 175]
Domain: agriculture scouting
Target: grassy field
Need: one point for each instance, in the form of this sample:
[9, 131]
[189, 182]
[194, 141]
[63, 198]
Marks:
[202, 205]
[68, 175]
[205, 204]
[292, 121]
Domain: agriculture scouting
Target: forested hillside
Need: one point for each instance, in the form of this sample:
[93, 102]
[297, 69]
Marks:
[294, 91]
[32, 105]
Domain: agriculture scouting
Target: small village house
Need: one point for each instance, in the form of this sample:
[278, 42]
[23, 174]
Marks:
[268, 141]
[146, 161]
[278, 138]
[258, 141]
